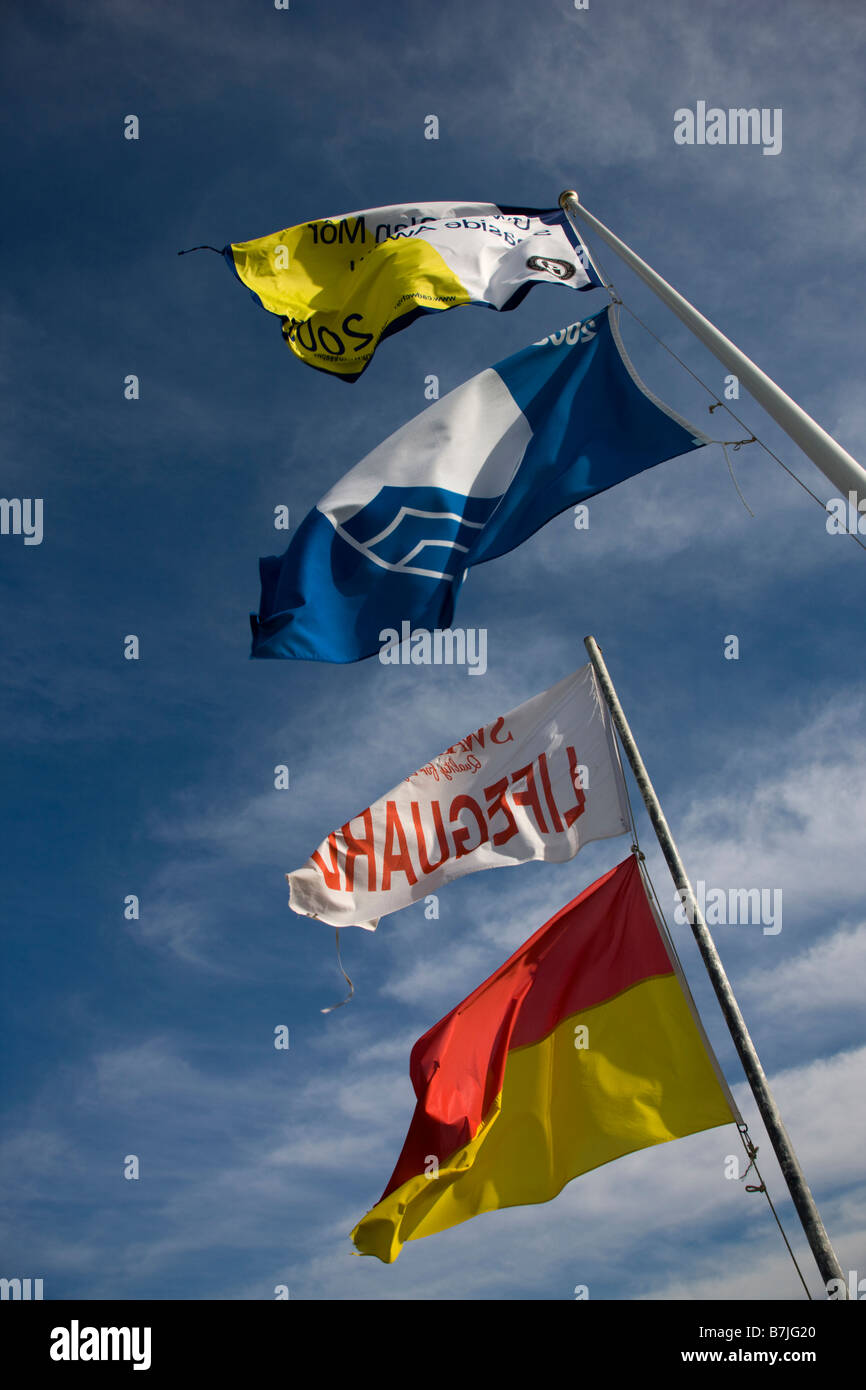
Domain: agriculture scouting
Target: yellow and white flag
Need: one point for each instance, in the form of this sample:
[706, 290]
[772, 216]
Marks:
[341, 284]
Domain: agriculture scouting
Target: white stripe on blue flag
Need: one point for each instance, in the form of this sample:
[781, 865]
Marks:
[470, 478]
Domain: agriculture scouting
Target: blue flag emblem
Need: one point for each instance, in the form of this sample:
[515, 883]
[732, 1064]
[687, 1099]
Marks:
[418, 530]
[473, 476]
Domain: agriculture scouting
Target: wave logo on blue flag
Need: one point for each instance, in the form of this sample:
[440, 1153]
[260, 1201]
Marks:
[467, 480]
[417, 518]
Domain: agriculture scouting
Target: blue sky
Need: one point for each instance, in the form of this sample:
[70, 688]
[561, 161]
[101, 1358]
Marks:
[155, 777]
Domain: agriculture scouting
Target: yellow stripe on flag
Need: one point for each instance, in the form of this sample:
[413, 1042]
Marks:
[340, 284]
[337, 299]
[643, 1077]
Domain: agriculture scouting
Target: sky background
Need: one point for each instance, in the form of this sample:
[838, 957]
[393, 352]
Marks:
[155, 1037]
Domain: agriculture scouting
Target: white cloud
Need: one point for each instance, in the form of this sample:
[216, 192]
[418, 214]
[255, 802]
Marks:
[312, 1149]
[790, 814]
[827, 977]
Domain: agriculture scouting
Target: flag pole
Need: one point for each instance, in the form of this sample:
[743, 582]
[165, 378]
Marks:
[802, 1198]
[837, 465]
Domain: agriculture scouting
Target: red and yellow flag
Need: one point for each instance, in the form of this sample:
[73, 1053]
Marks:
[579, 1049]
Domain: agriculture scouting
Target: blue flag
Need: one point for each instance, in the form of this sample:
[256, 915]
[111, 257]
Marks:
[470, 478]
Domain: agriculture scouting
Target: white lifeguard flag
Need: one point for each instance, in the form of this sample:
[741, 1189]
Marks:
[537, 783]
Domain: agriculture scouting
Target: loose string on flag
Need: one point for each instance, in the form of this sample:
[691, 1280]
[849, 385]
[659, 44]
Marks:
[615, 298]
[752, 1154]
[331, 1007]
[736, 444]
[742, 1128]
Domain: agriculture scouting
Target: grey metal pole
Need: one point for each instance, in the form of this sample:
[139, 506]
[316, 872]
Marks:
[837, 465]
[802, 1198]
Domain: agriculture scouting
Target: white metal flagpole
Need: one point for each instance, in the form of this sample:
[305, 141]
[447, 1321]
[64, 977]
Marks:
[804, 1202]
[843, 471]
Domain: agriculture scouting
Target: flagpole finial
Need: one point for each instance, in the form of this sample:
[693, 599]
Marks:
[569, 193]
